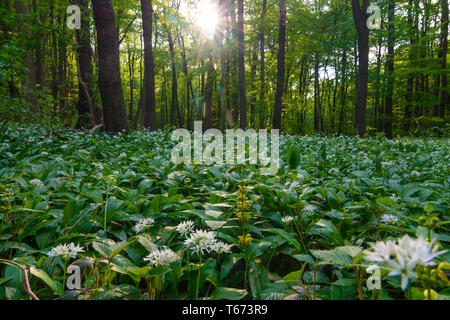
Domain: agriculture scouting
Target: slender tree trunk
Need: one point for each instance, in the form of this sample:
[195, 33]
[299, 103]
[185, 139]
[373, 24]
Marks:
[241, 66]
[86, 78]
[175, 116]
[281, 67]
[109, 81]
[253, 66]
[189, 88]
[445, 96]
[29, 81]
[131, 61]
[316, 92]
[233, 65]
[390, 70]
[263, 66]
[210, 79]
[360, 16]
[149, 112]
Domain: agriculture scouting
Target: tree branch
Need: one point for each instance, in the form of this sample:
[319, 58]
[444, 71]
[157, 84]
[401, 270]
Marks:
[26, 283]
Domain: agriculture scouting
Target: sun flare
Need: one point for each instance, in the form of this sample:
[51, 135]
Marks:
[203, 15]
[206, 21]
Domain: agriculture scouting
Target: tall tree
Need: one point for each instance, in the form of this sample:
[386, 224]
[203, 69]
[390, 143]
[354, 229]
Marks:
[262, 74]
[149, 113]
[443, 55]
[109, 81]
[360, 17]
[280, 66]
[29, 81]
[241, 66]
[85, 106]
[390, 72]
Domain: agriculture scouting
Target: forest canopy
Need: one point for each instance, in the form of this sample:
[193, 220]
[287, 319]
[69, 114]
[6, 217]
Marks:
[300, 66]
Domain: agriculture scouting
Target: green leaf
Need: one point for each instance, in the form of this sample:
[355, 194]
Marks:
[41, 274]
[222, 293]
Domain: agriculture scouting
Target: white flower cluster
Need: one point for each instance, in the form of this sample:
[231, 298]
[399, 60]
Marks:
[404, 256]
[36, 182]
[176, 174]
[201, 241]
[184, 228]
[394, 198]
[66, 251]
[163, 257]
[144, 223]
[415, 174]
[220, 247]
[287, 219]
[389, 219]
[294, 185]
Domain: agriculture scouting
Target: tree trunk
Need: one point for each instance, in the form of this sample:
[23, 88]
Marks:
[29, 81]
[445, 97]
[109, 81]
[390, 72]
[85, 71]
[281, 67]
[316, 92]
[241, 66]
[210, 79]
[263, 67]
[175, 117]
[360, 16]
[149, 113]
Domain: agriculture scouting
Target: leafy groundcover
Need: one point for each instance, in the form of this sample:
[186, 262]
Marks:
[138, 226]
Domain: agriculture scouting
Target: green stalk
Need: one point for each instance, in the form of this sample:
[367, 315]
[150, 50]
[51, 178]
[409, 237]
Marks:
[198, 278]
[106, 207]
[64, 278]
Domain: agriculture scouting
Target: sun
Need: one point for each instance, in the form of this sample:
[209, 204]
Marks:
[207, 19]
[203, 15]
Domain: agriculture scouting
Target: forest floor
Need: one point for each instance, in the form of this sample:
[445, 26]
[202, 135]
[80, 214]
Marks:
[302, 234]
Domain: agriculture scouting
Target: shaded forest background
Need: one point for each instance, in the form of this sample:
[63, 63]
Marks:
[304, 67]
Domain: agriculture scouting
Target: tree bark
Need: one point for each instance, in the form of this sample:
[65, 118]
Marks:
[29, 81]
[360, 17]
[390, 72]
[241, 66]
[263, 66]
[445, 97]
[175, 117]
[280, 67]
[85, 71]
[316, 92]
[149, 113]
[109, 81]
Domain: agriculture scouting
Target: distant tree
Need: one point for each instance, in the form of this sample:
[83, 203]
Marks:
[87, 110]
[262, 76]
[360, 16]
[241, 66]
[445, 96]
[280, 66]
[390, 72]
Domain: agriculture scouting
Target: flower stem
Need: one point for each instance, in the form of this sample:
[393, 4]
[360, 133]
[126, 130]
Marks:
[198, 278]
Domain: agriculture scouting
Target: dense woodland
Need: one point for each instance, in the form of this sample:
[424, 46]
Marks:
[356, 208]
[304, 67]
